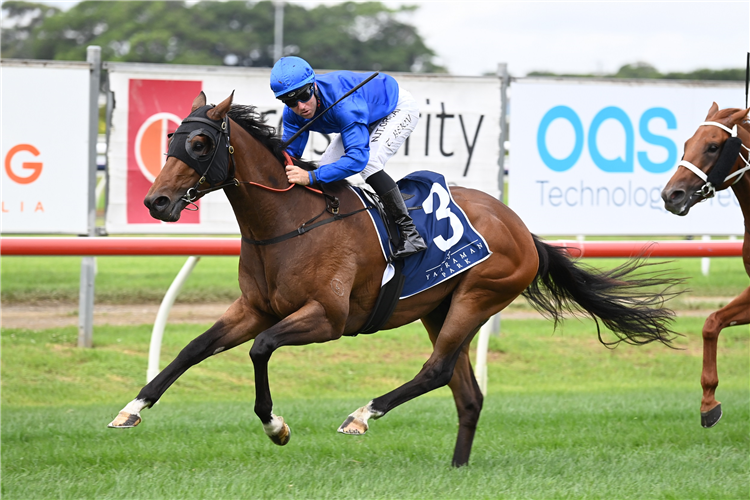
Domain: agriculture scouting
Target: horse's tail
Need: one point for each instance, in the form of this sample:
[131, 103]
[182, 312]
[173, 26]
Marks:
[620, 298]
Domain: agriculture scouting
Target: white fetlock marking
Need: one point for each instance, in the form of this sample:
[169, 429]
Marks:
[135, 406]
[273, 428]
[365, 413]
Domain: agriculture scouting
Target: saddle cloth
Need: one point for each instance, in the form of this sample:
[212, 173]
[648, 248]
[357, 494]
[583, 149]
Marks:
[453, 245]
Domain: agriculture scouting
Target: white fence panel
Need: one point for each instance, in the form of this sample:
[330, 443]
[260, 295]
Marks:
[591, 157]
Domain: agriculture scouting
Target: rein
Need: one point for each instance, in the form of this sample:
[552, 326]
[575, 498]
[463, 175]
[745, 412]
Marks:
[193, 193]
[708, 190]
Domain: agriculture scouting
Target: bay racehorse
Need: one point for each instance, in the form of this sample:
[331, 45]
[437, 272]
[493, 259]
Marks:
[716, 158]
[300, 288]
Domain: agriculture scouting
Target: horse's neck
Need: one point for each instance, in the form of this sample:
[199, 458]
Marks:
[742, 193]
[742, 187]
[262, 213]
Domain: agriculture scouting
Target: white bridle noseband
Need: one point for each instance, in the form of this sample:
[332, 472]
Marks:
[708, 190]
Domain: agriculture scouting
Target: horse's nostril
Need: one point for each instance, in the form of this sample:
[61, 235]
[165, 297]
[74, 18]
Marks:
[677, 195]
[159, 204]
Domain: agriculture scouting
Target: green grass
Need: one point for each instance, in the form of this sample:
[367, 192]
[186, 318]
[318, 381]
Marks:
[119, 279]
[214, 279]
[564, 418]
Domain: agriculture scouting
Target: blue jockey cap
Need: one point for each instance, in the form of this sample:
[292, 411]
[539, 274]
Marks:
[290, 73]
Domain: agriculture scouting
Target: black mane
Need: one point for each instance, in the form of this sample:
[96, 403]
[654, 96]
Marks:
[251, 120]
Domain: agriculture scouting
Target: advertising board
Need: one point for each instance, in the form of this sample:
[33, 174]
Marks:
[591, 157]
[457, 135]
[45, 147]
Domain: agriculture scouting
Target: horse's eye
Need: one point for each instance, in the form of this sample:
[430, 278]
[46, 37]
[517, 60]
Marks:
[712, 148]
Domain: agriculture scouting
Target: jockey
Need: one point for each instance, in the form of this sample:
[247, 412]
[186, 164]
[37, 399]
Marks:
[373, 123]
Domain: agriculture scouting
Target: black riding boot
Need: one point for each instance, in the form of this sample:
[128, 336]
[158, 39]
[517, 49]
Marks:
[411, 242]
[385, 187]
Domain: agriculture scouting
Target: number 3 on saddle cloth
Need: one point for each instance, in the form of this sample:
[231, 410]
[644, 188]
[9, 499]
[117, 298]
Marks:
[453, 245]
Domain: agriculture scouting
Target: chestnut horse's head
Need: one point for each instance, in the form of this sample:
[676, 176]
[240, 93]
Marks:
[198, 155]
[713, 160]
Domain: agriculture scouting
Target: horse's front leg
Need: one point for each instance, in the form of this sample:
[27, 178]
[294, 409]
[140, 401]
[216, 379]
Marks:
[308, 325]
[237, 325]
[737, 312]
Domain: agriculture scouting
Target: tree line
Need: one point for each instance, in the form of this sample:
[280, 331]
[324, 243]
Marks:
[645, 70]
[357, 36]
[365, 36]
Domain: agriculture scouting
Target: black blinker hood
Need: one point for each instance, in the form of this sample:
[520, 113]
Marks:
[727, 158]
[214, 167]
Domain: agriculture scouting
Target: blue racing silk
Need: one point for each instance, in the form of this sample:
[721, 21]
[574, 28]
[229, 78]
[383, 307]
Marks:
[351, 118]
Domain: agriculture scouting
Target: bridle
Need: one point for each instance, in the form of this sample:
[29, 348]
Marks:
[213, 170]
[708, 189]
[217, 180]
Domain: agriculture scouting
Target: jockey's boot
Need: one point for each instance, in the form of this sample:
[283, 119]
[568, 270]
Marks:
[411, 242]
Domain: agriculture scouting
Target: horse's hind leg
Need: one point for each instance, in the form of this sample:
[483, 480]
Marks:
[466, 393]
[737, 312]
[461, 324]
[235, 327]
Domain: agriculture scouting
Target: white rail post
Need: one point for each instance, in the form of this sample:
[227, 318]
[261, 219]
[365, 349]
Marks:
[705, 261]
[483, 341]
[154, 350]
[88, 264]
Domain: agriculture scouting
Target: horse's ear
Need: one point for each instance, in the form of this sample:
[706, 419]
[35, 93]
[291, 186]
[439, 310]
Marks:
[714, 109]
[199, 101]
[740, 116]
[221, 110]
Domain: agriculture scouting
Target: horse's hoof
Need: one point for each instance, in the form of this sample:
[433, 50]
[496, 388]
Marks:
[353, 426]
[283, 436]
[125, 420]
[711, 417]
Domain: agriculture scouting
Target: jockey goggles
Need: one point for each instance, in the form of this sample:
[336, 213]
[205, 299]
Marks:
[302, 94]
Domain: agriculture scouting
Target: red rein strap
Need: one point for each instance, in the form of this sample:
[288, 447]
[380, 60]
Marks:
[288, 163]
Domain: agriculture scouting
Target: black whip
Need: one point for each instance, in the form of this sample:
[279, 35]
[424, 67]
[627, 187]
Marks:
[747, 77]
[307, 125]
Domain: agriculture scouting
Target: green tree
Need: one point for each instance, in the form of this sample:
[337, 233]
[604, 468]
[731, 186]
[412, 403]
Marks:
[637, 70]
[645, 70]
[357, 36]
[20, 20]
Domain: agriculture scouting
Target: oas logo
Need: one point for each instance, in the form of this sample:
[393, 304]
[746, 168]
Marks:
[151, 143]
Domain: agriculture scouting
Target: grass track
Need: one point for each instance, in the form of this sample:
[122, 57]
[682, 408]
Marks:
[146, 279]
[565, 418]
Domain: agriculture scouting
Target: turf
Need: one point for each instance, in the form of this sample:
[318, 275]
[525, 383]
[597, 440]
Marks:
[564, 418]
[146, 279]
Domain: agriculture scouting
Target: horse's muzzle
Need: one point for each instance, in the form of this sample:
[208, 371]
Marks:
[163, 208]
[679, 201]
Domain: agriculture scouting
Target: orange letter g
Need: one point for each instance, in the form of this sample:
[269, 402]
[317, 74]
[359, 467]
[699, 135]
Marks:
[35, 167]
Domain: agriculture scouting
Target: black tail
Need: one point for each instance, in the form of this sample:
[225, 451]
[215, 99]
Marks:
[618, 298]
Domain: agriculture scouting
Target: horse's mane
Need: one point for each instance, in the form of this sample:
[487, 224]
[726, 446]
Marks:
[254, 124]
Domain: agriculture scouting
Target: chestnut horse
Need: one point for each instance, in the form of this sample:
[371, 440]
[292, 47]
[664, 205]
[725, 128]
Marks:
[714, 161]
[299, 289]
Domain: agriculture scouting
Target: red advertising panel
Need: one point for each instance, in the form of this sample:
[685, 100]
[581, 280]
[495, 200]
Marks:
[156, 108]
